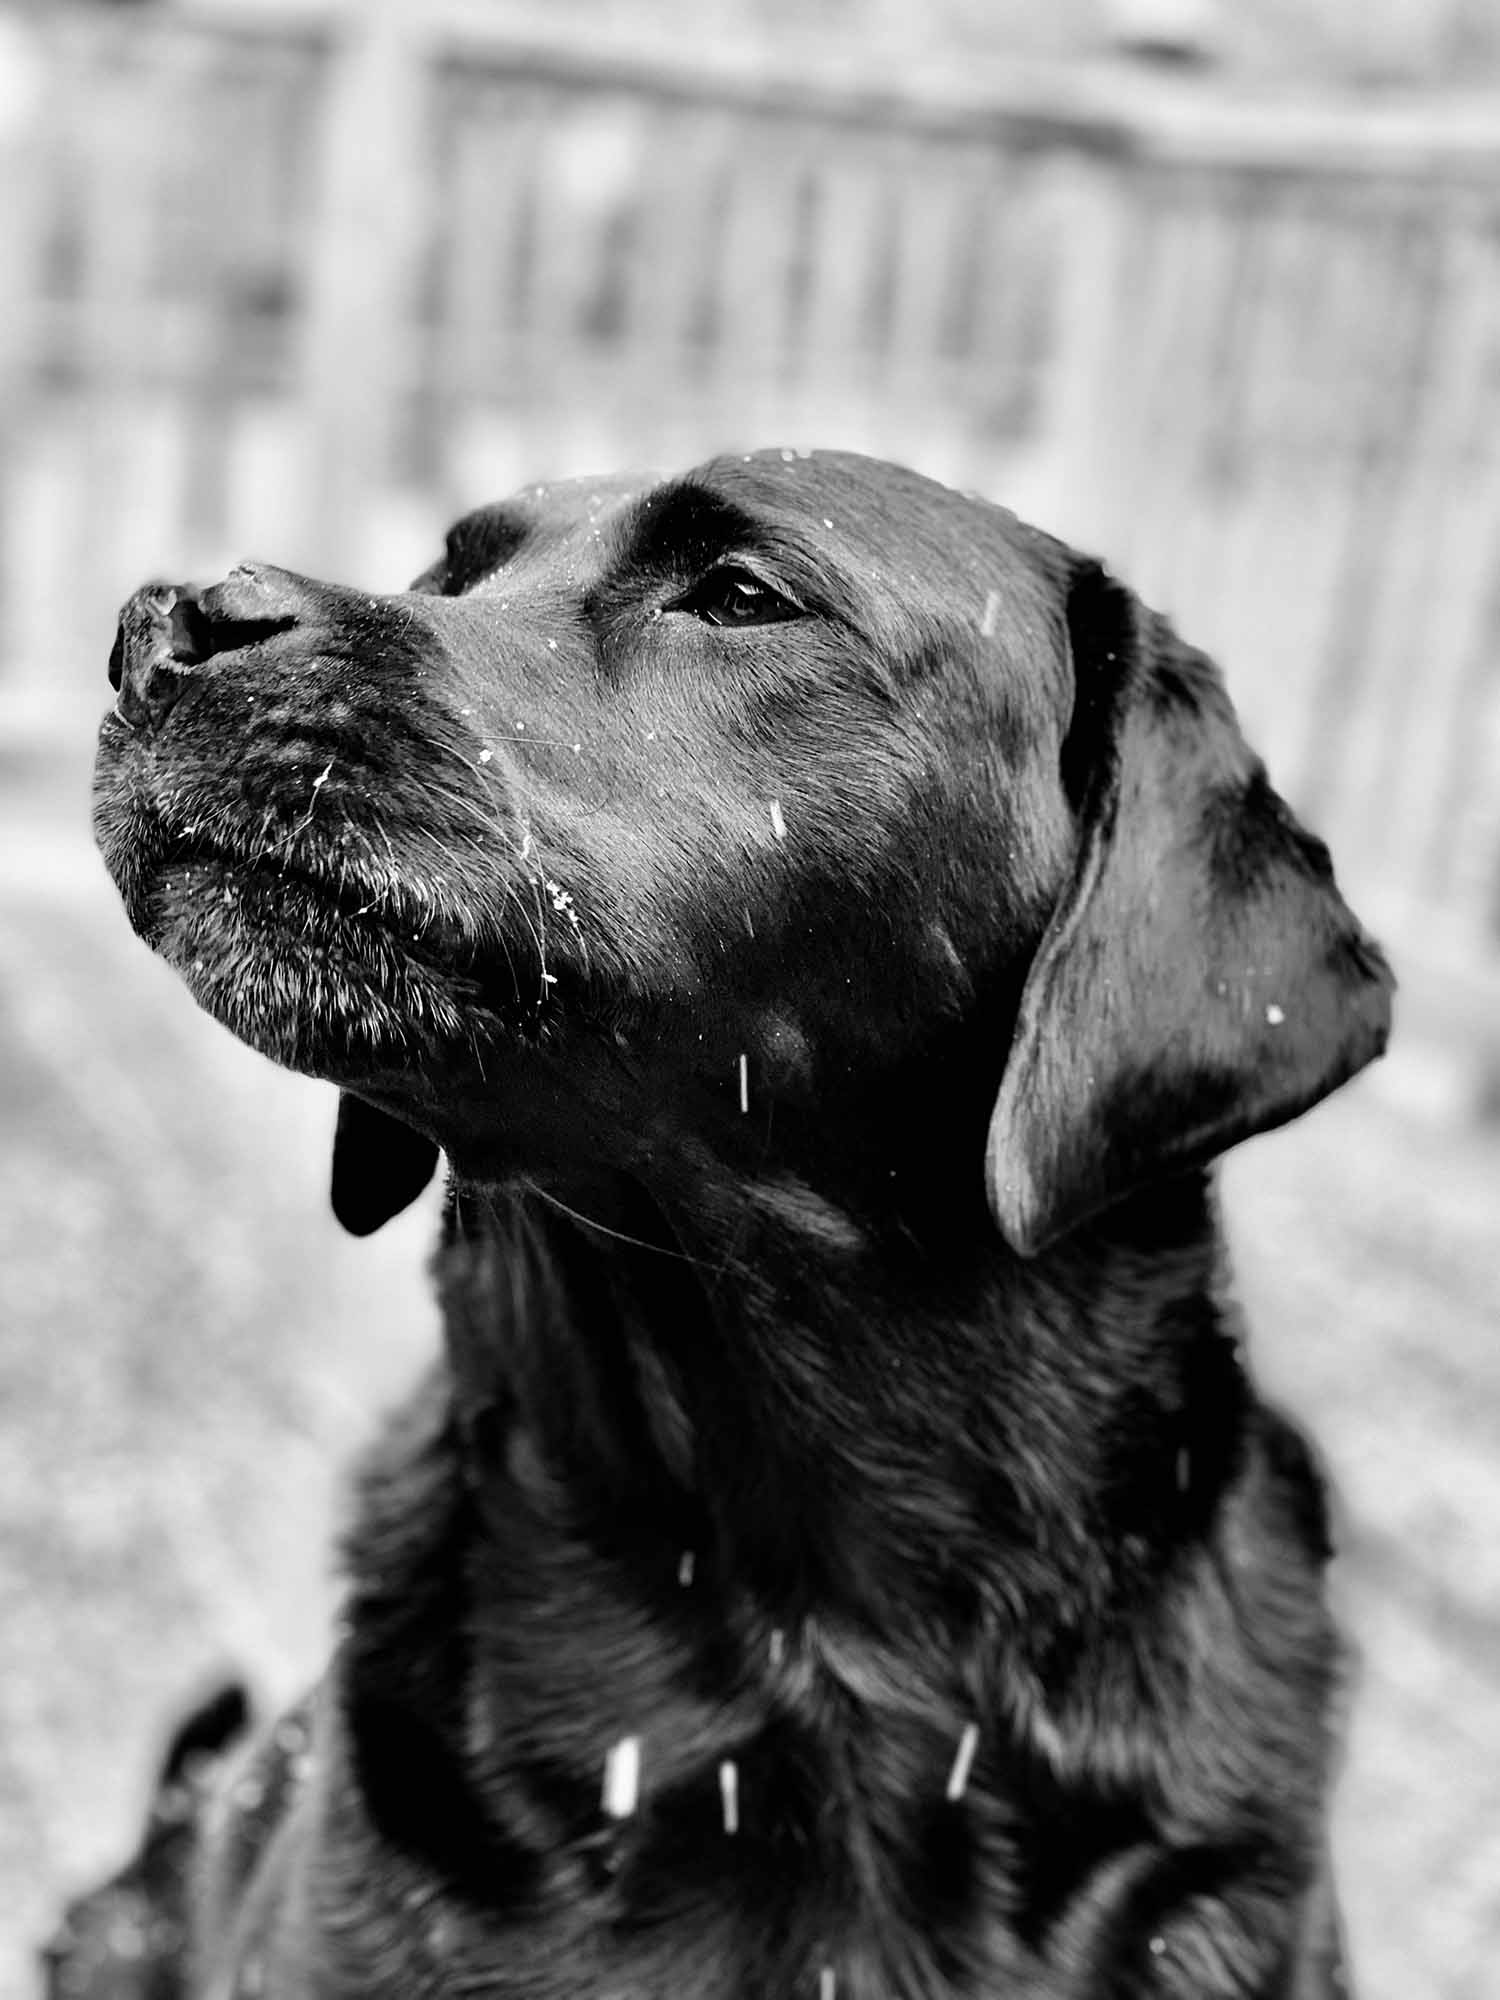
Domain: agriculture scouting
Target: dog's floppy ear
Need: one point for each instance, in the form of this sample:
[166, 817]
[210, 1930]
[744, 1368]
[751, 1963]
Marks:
[1201, 978]
[380, 1166]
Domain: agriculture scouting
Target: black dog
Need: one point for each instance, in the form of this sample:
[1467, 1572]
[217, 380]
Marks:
[830, 928]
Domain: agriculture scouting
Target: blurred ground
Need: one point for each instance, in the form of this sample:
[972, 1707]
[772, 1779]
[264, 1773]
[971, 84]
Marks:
[192, 1352]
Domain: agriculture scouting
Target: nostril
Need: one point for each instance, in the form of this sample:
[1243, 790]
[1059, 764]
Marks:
[189, 635]
[196, 631]
[141, 620]
[252, 603]
[198, 628]
[229, 635]
[167, 632]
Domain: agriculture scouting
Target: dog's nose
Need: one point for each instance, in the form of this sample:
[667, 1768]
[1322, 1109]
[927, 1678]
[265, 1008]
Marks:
[156, 639]
[167, 632]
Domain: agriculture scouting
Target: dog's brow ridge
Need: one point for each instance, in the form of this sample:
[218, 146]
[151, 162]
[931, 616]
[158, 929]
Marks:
[686, 525]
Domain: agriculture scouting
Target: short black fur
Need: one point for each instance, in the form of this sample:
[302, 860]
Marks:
[841, 1551]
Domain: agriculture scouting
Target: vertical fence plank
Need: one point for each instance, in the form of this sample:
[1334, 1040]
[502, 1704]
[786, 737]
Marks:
[928, 248]
[754, 271]
[1379, 379]
[851, 207]
[998, 379]
[357, 347]
[1087, 390]
[1366, 688]
[486, 211]
[1307, 478]
[674, 382]
[1403, 670]
[1256, 450]
[1451, 485]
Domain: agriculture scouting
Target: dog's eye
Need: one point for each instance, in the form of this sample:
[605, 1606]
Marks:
[730, 596]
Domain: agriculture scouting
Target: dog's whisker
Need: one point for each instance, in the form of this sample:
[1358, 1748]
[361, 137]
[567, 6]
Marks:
[476, 1049]
[498, 934]
[524, 736]
[259, 848]
[514, 902]
[302, 824]
[547, 976]
[730, 1260]
[604, 1229]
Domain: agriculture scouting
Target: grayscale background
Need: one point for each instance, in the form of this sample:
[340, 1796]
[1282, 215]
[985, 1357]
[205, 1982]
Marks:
[1211, 287]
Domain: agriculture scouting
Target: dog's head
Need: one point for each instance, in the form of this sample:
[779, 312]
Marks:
[798, 805]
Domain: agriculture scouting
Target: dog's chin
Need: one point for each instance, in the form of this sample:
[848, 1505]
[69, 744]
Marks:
[324, 965]
[310, 977]
[319, 988]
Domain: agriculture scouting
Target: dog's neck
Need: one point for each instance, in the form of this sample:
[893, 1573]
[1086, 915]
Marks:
[779, 1543]
[823, 1412]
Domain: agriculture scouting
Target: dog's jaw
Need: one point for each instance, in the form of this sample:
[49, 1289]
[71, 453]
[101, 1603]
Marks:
[302, 934]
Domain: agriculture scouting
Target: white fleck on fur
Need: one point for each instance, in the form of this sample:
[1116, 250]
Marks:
[622, 1777]
[963, 1762]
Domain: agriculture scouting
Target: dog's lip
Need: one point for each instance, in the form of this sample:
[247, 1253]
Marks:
[339, 892]
[349, 892]
[388, 908]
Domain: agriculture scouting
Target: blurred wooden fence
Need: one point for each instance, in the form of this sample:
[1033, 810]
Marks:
[302, 285]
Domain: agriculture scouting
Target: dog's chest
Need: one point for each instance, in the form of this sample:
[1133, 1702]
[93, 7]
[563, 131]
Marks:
[853, 1862]
[680, 1803]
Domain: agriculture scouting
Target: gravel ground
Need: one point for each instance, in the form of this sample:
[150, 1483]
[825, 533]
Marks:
[192, 1351]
